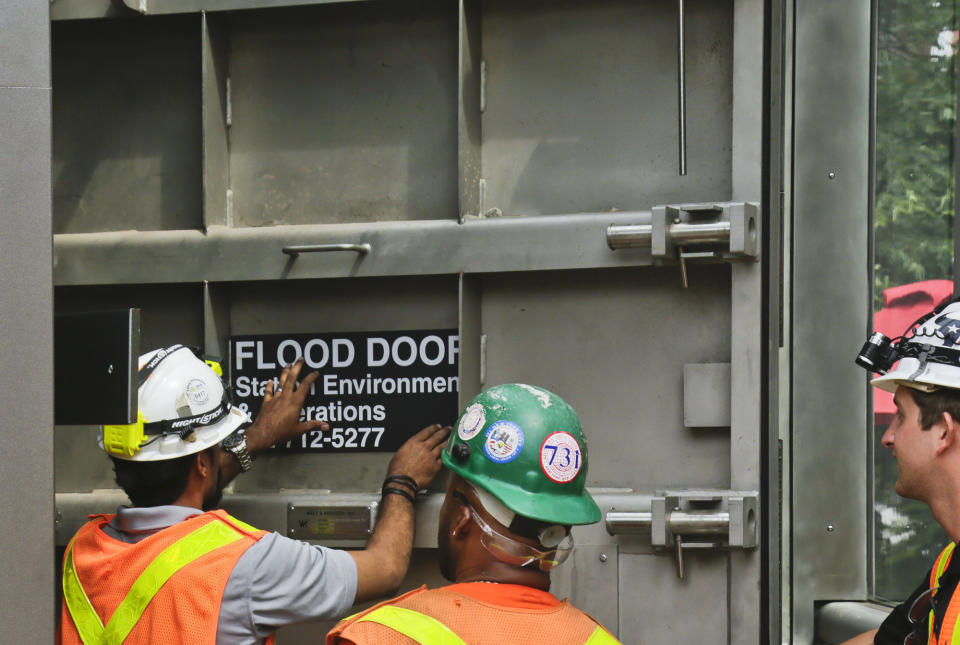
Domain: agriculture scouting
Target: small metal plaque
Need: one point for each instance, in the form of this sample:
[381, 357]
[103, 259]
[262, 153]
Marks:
[327, 523]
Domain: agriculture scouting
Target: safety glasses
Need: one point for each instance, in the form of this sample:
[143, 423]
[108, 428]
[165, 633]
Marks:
[518, 554]
[920, 608]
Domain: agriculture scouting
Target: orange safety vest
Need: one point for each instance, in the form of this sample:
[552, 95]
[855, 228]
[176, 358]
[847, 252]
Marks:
[165, 588]
[442, 617]
[949, 634]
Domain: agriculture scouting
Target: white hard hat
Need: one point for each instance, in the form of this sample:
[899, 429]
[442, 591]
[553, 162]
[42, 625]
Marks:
[929, 354]
[182, 409]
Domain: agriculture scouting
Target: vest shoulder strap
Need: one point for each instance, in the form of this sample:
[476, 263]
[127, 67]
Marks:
[423, 629]
[427, 630]
[240, 525]
[941, 564]
[948, 631]
[600, 636]
[209, 537]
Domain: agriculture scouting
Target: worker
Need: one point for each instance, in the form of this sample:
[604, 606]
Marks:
[924, 438]
[518, 467]
[170, 569]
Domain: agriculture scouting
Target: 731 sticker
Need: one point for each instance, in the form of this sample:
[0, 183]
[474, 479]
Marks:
[560, 457]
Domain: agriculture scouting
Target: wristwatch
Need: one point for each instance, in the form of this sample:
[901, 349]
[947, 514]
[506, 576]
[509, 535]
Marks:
[236, 444]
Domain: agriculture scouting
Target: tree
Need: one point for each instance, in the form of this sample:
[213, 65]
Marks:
[915, 131]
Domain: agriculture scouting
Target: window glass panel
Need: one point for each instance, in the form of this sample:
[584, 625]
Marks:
[915, 130]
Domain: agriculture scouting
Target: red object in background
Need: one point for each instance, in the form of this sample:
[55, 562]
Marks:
[901, 306]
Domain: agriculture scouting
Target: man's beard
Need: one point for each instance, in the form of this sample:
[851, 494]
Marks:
[212, 499]
[443, 554]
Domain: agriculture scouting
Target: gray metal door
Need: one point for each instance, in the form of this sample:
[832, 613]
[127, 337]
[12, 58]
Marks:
[509, 170]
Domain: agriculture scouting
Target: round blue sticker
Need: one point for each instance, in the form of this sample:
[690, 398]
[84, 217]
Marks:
[503, 441]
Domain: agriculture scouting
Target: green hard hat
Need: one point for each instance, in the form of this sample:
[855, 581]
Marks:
[524, 445]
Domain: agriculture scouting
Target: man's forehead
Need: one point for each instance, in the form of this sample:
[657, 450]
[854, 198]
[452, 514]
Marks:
[902, 397]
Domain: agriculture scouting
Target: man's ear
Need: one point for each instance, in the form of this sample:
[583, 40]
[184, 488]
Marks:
[947, 431]
[462, 525]
[203, 466]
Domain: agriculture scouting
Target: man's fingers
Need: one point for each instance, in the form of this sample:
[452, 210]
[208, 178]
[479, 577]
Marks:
[307, 426]
[292, 372]
[425, 432]
[307, 382]
[285, 382]
[439, 436]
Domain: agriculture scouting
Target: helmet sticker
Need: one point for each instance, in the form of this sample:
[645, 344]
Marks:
[560, 457]
[196, 392]
[472, 421]
[948, 329]
[503, 441]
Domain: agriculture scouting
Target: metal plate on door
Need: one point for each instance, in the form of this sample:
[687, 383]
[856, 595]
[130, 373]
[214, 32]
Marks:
[326, 523]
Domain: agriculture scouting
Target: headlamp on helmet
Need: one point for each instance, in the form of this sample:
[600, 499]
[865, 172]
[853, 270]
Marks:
[925, 357]
[124, 440]
[878, 354]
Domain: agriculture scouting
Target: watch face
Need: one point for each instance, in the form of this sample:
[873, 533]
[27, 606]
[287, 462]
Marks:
[232, 440]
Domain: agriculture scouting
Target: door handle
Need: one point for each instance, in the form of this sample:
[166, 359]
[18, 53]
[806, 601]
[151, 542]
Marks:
[296, 250]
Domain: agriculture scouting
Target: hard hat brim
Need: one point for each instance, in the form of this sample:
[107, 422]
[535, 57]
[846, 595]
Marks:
[172, 447]
[552, 509]
[932, 377]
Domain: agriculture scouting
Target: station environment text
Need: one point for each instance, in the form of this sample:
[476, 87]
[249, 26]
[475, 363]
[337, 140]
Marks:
[375, 389]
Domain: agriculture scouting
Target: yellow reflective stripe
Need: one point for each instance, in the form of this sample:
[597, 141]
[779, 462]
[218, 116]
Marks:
[939, 568]
[600, 636]
[85, 619]
[943, 560]
[207, 538]
[412, 624]
[243, 525]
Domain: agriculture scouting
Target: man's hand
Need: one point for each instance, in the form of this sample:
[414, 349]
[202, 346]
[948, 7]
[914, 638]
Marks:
[383, 564]
[419, 456]
[279, 416]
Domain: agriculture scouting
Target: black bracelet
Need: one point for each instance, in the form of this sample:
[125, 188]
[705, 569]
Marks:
[398, 491]
[402, 479]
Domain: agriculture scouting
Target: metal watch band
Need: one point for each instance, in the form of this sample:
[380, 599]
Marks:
[243, 456]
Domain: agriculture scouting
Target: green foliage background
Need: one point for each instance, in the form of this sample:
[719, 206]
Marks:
[916, 113]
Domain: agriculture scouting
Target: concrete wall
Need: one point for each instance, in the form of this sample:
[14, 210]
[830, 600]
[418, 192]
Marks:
[26, 325]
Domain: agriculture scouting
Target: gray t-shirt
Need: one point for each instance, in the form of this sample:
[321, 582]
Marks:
[276, 582]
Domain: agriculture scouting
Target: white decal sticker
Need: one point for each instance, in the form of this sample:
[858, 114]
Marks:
[471, 423]
[503, 441]
[196, 392]
[560, 457]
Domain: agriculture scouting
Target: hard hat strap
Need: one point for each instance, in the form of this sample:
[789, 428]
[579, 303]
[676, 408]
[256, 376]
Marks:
[928, 353]
[152, 364]
[185, 425]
